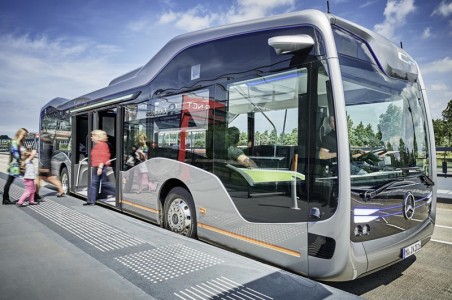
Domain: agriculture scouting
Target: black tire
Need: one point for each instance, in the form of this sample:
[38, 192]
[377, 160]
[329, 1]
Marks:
[64, 178]
[179, 212]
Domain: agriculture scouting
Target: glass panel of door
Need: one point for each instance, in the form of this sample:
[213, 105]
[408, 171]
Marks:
[82, 171]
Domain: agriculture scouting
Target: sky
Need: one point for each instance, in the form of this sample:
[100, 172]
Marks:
[54, 48]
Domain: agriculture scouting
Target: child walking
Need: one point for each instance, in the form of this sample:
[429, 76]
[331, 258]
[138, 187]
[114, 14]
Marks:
[29, 180]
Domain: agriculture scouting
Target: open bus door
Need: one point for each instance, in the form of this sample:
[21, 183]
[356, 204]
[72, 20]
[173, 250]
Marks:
[106, 120]
[81, 128]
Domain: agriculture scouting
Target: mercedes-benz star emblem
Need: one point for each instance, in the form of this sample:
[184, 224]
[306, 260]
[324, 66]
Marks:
[408, 206]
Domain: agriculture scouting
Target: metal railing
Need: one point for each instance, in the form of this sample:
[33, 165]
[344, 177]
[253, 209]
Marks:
[29, 143]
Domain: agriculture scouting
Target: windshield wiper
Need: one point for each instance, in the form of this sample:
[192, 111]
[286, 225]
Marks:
[372, 193]
[424, 177]
[427, 180]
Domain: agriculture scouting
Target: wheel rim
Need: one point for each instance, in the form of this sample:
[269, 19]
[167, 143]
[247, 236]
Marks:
[179, 217]
[64, 182]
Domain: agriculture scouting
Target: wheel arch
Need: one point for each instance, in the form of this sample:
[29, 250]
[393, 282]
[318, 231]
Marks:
[167, 187]
[63, 166]
[68, 171]
[183, 220]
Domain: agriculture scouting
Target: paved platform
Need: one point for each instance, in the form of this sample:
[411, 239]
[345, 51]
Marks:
[63, 250]
[444, 189]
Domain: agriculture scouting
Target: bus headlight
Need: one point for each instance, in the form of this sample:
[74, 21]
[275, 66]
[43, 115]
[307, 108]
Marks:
[358, 230]
[366, 229]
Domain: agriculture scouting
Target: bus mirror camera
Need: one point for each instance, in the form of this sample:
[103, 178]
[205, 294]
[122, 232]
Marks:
[290, 43]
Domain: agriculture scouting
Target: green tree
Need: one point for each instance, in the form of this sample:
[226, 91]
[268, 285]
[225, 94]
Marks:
[290, 139]
[439, 133]
[447, 113]
[390, 123]
[273, 139]
[351, 133]
[264, 138]
[257, 138]
[447, 119]
[371, 138]
[443, 127]
[360, 134]
[243, 139]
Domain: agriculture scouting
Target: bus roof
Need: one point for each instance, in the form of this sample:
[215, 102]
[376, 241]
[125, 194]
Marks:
[54, 103]
[143, 75]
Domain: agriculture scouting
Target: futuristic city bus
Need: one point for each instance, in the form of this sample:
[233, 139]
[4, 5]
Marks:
[334, 117]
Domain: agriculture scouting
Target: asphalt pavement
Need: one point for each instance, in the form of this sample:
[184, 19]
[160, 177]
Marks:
[444, 188]
[63, 250]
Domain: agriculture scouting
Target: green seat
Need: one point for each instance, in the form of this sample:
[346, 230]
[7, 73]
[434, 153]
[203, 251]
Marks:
[260, 176]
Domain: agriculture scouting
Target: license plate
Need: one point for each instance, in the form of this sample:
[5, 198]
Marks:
[411, 249]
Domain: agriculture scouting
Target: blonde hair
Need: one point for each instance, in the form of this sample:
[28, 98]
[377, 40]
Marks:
[29, 154]
[141, 138]
[25, 155]
[21, 134]
[102, 135]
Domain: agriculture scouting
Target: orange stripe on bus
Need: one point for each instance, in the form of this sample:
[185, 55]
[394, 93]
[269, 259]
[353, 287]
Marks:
[250, 240]
[155, 211]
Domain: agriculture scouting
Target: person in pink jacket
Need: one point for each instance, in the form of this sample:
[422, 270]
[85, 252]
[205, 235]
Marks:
[29, 180]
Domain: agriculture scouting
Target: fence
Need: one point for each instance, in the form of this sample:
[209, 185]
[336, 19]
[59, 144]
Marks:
[444, 161]
[29, 143]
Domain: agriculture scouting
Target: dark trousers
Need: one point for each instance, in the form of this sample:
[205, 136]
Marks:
[96, 180]
[9, 181]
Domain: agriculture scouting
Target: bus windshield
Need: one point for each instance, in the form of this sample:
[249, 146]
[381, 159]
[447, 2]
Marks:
[386, 123]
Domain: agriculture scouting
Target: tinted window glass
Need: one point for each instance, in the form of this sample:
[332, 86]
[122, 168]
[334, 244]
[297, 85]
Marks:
[225, 59]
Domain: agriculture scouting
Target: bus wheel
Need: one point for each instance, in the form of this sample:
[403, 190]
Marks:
[64, 177]
[180, 214]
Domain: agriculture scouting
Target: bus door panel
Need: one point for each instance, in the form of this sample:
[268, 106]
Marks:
[261, 125]
[106, 120]
[80, 168]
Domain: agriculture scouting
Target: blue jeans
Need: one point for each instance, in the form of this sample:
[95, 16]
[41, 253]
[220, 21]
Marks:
[93, 190]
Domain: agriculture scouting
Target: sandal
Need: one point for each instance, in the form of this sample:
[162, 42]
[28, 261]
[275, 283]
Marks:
[61, 195]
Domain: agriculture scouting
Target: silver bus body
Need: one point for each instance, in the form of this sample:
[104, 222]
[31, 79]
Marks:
[331, 220]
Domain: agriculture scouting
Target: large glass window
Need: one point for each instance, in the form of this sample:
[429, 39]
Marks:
[228, 59]
[63, 134]
[173, 127]
[56, 129]
[257, 127]
[386, 123]
[272, 103]
[258, 164]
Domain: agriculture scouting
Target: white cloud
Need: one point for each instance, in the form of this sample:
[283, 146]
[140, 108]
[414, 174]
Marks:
[242, 10]
[438, 87]
[36, 70]
[427, 33]
[395, 14]
[438, 100]
[253, 9]
[443, 9]
[194, 19]
[368, 3]
[439, 66]
[138, 25]
[168, 17]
